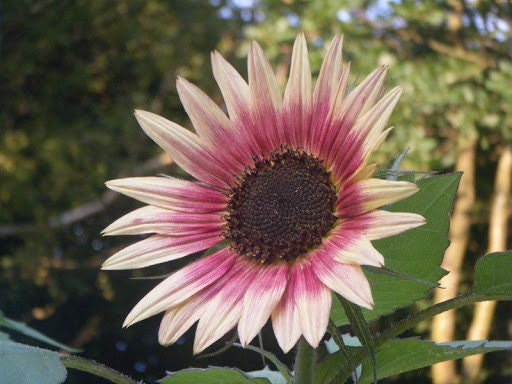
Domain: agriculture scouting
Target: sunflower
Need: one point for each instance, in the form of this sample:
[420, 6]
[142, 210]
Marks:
[284, 193]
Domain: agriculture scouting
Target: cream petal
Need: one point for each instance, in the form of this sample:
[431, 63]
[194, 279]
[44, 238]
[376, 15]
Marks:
[286, 321]
[188, 150]
[171, 193]
[266, 101]
[261, 298]
[347, 280]
[384, 224]
[150, 219]
[181, 285]
[297, 96]
[313, 300]
[160, 249]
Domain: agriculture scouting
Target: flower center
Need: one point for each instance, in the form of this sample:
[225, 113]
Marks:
[281, 207]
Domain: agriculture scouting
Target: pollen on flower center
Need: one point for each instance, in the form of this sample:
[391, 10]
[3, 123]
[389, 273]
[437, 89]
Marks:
[281, 207]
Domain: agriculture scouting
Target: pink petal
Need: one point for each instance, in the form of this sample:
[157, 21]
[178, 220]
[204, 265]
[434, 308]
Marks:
[181, 285]
[151, 219]
[261, 298]
[266, 101]
[223, 311]
[347, 280]
[160, 249]
[170, 193]
[188, 150]
[313, 300]
[297, 97]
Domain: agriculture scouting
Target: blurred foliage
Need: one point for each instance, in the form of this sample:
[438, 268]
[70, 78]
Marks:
[72, 72]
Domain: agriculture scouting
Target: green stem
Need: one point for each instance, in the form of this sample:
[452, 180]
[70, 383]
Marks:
[304, 363]
[407, 323]
[96, 369]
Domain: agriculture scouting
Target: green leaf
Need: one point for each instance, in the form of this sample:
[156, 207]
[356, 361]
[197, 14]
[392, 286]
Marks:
[398, 356]
[21, 363]
[210, 376]
[493, 274]
[27, 331]
[414, 256]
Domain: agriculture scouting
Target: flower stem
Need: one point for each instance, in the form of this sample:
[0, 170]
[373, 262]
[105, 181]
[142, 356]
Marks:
[96, 369]
[304, 363]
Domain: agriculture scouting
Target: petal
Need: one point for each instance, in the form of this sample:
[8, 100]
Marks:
[223, 312]
[160, 249]
[170, 193]
[370, 126]
[347, 280]
[181, 285]
[233, 87]
[211, 123]
[313, 300]
[384, 224]
[266, 101]
[177, 320]
[377, 192]
[297, 96]
[360, 100]
[358, 250]
[261, 298]
[286, 321]
[151, 219]
[188, 150]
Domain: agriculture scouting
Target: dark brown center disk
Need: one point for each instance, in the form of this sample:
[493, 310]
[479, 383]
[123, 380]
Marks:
[280, 208]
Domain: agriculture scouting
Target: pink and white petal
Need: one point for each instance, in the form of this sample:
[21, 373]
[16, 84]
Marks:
[233, 87]
[313, 300]
[377, 192]
[385, 224]
[212, 124]
[160, 249]
[286, 321]
[223, 312]
[266, 101]
[331, 73]
[150, 219]
[261, 298]
[187, 149]
[297, 96]
[358, 250]
[361, 99]
[171, 193]
[370, 126]
[182, 284]
[347, 280]
[177, 320]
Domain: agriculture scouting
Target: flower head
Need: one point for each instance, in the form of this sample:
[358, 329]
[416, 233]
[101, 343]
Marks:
[283, 187]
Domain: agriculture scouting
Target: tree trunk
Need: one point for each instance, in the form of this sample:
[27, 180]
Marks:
[443, 325]
[484, 311]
